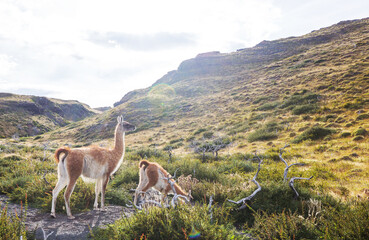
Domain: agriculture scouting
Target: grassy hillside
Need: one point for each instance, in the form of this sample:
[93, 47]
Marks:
[22, 115]
[311, 92]
[317, 79]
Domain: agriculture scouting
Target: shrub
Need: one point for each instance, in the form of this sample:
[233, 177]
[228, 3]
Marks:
[193, 167]
[145, 153]
[260, 99]
[314, 133]
[346, 222]
[285, 225]
[262, 135]
[118, 196]
[172, 223]
[360, 132]
[267, 132]
[358, 138]
[345, 134]
[208, 134]
[362, 116]
[267, 106]
[176, 141]
[357, 104]
[198, 131]
[304, 109]
[300, 98]
[12, 226]
[127, 173]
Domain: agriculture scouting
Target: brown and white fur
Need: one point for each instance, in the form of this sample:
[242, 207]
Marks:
[93, 163]
[152, 175]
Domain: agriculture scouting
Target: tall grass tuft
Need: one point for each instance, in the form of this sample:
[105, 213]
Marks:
[11, 224]
[172, 223]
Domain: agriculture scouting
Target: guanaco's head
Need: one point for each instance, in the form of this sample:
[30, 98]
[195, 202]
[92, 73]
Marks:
[124, 126]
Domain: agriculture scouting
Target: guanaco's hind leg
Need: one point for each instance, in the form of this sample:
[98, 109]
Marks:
[142, 183]
[62, 182]
[59, 186]
[67, 194]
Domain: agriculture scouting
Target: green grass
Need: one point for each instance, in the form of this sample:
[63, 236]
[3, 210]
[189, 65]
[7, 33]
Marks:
[173, 223]
[273, 213]
[314, 133]
[12, 226]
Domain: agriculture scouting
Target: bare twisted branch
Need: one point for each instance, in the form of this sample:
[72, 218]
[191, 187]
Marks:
[243, 200]
[292, 182]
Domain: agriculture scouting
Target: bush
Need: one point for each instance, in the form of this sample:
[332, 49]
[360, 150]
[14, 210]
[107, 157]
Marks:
[262, 135]
[176, 141]
[267, 132]
[118, 196]
[208, 134]
[346, 221]
[198, 131]
[285, 225]
[12, 226]
[304, 109]
[360, 132]
[172, 223]
[362, 116]
[300, 98]
[314, 133]
[345, 134]
[358, 138]
[142, 153]
[267, 106]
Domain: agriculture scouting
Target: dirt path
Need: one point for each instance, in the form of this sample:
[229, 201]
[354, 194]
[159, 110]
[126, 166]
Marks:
[62, 227]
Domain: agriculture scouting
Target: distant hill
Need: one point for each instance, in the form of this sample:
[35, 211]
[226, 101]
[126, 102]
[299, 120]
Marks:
[22, 115]
[280, 88]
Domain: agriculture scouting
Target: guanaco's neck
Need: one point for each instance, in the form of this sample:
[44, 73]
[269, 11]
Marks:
[119, 149]
[119, 146]
[179, 190]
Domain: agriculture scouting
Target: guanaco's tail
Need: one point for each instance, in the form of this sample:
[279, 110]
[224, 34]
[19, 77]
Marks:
[144, 163]
[64, 150]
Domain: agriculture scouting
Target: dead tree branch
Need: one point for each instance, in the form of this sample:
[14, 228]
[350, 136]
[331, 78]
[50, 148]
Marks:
[287, 166]
[46, 147]
[44, 234]
[210, 209]
[292, 182]
[170, 153]
[145, 201]
[243, 201]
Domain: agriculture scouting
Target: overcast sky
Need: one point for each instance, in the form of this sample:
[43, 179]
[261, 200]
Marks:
[97, 51]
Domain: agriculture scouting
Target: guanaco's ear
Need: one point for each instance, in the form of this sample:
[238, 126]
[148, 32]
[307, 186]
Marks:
[120, 119]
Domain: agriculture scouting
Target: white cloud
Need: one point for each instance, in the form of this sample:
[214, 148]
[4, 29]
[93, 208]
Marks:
[7, 65]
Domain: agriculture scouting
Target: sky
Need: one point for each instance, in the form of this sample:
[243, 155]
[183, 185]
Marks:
[97, 51]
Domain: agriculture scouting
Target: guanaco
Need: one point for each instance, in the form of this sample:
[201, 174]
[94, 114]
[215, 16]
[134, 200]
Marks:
[93, 163]
[152, 175]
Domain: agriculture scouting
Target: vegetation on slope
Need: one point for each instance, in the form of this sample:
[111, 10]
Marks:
[272, 213]
[22, 115]
[309, 91]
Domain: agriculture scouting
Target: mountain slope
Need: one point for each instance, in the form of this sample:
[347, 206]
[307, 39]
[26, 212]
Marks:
[31, 115]
[285, 86]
